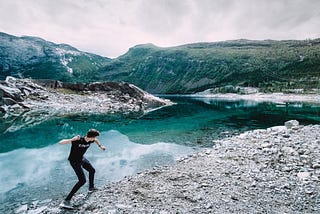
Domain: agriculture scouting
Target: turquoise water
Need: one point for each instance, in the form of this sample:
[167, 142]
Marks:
[34, 167]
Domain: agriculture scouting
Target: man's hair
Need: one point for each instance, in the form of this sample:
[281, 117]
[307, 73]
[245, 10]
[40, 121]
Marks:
[92, 133]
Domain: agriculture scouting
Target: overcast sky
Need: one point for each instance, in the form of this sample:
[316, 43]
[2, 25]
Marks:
[111, 27]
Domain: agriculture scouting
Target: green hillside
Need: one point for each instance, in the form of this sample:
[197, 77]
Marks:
[269, 65]
[40, 59]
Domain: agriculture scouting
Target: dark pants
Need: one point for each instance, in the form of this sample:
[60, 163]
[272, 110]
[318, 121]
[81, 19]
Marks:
[77, 167]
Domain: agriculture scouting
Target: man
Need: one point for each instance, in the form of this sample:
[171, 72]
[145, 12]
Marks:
[79, 146]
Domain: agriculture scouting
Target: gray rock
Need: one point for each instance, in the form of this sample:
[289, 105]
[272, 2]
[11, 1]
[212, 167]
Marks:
[3, 110]
[13, 93]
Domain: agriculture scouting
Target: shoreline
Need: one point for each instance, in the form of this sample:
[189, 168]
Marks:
[281, 98]
[273, 170]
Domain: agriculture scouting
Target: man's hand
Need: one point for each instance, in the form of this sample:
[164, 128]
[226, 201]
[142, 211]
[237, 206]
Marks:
[103, 148]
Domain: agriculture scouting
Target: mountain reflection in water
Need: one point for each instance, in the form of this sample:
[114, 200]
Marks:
[191, 122]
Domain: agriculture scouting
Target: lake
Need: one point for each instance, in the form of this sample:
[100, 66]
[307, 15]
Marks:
[35, 168]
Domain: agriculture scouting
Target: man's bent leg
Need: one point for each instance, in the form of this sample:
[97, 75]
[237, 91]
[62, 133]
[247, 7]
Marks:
[87, 166]
[81, 177]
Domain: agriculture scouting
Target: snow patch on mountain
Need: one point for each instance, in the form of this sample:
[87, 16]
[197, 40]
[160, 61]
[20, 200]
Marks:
[66, 56]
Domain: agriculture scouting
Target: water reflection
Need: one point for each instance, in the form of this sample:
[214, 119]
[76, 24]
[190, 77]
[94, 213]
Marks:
[39, 174]
[192, 122]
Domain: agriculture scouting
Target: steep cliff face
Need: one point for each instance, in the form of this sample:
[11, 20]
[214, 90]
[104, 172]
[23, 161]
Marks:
[270, 65]
[37, 58]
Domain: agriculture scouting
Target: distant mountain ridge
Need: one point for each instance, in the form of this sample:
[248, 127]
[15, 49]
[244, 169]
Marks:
[270, 65]
[40, 59]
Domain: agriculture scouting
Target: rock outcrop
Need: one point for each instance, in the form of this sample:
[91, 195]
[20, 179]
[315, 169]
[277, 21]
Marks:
[27, 98]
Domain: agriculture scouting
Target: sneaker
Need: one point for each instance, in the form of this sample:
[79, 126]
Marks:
[66, 204]
[93, 189]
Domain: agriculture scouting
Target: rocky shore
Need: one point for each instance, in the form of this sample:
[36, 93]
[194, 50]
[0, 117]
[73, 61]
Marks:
[255, 96]
[25, 101]
[275, 170]
[17, 95]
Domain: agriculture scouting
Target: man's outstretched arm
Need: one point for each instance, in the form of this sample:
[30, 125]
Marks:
[66, 141]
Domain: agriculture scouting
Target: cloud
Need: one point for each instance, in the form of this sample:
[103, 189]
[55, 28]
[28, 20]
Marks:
[110, 27]
[278, 20]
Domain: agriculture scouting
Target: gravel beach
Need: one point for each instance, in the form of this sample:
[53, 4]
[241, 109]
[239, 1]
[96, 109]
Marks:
[274, 170]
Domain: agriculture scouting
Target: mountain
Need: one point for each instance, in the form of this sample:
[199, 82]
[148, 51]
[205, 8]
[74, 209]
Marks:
[269, 65]
[40, 59]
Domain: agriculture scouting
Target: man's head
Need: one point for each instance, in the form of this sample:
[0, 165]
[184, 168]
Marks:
[92, 133]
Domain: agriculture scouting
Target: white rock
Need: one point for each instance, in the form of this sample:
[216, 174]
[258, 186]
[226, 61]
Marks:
[303, 175]
[38, 210]
[22, 209]
[123, 206]
[289, 150]
[291, 123]
[276, 129]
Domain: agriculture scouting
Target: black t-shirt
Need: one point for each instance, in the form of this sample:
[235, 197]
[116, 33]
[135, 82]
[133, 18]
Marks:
[78, 148]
